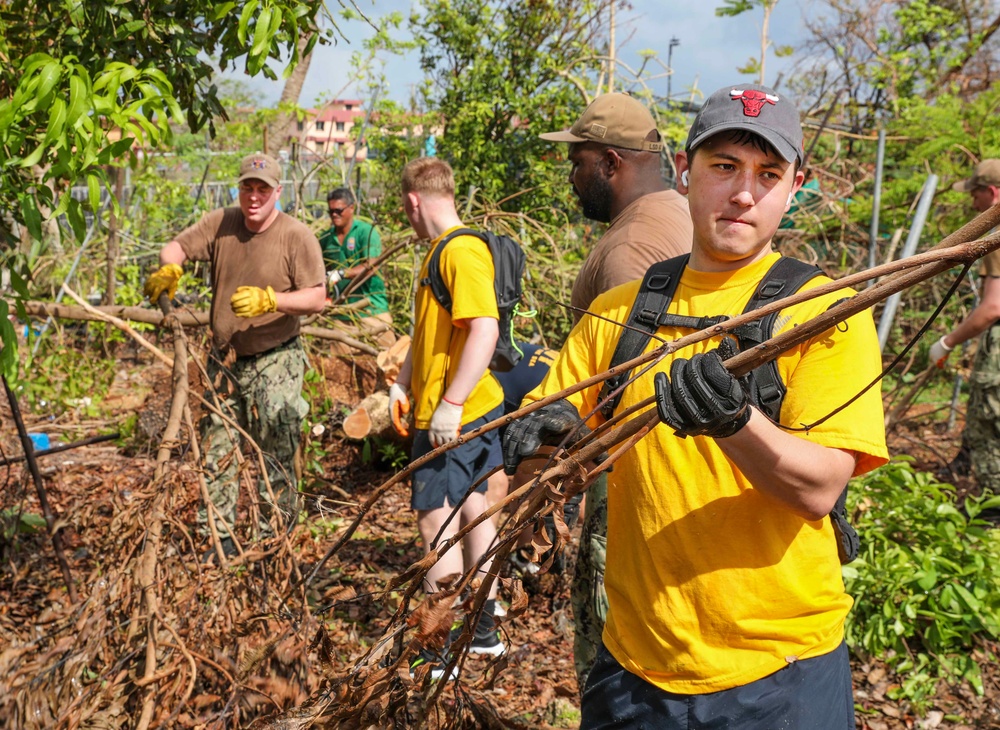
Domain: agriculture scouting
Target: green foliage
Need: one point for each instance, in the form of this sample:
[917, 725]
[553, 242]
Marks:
[499, 73]
[83, 85]
[14, 522]
[923, 40]
[61, 378]
[924, 580]
[385, 452]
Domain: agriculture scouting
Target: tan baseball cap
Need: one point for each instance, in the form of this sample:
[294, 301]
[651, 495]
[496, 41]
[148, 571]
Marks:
[260, 167]
[617, 120]
[986, 173]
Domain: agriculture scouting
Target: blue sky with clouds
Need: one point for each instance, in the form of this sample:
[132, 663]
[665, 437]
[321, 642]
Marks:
[710, 49]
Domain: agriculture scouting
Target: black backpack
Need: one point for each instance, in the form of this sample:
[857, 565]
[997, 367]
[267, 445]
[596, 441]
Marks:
[767, 390]
[508, 268]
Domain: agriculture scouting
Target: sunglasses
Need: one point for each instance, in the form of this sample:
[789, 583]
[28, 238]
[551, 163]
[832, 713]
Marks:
[338, 211]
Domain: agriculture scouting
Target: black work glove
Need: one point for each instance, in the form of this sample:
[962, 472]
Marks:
[702, 398]
[548, 425]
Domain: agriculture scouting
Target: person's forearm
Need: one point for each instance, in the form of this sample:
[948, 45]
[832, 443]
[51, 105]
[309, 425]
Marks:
[406, 371]
[475, 358]
[981, 318]
[301, 301]
[360, 269]
[172, 253]
[805, 476]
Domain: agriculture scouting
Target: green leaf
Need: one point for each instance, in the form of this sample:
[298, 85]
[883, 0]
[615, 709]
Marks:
[261, 33]
[8, 355]
[94, 191]
[36, 155]
[79, 97]
[48, 77]
[248, 10]
[76, 221]
[32, 216]
[927, 579]
[57, 121]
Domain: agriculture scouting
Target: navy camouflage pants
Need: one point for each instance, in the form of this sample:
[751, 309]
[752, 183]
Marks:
[263, 394]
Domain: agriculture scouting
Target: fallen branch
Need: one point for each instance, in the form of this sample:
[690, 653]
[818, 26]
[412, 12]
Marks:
[117, 315]
[50, 518]
[145, 573]
[62, 447]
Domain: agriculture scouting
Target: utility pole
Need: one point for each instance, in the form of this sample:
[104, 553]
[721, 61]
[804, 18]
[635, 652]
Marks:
[674, 41]
[611, 51]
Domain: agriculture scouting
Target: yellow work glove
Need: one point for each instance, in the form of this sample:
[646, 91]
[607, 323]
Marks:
[252, 301]
[163, 280]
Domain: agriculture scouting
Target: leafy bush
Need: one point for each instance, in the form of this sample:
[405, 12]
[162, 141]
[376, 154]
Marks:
[924, 581]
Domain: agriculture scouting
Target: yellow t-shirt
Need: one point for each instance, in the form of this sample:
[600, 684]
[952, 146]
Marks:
[711, 583]
[439, 338]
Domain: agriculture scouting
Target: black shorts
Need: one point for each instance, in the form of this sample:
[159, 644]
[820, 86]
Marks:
[446, 479]
[810, 694]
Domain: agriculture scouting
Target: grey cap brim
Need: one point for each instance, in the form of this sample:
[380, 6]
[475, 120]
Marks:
[563, 136]
[785, 148]
[964, 186]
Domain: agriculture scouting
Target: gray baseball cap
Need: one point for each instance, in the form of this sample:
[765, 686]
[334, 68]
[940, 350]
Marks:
[750, 108]
[617, 120]
[986, 174]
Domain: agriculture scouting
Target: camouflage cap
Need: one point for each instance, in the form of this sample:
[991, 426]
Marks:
[617, 120]
[260, 167]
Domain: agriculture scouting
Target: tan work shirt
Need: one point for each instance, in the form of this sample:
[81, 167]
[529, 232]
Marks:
[653, 228]
[286, 256]
[990, 264]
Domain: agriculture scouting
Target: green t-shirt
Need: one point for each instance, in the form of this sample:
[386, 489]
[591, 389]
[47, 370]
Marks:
[361, 243]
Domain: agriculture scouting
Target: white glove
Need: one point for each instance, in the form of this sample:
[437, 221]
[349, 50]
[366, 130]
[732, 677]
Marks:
[399, 406]
[940, 352]
[445, 423]
[334, 277]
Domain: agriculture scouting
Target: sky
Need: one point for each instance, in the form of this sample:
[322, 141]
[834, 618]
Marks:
[709, 51]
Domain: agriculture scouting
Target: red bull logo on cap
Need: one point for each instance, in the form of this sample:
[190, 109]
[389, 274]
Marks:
[753, 100]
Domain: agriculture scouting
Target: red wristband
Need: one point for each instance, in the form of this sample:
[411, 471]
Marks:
[452, 403]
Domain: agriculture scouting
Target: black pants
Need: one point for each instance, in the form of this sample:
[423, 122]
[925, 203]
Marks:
[811, 694]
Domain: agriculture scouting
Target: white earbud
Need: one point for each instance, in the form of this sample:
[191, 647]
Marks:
[789, 201]
[684, 178]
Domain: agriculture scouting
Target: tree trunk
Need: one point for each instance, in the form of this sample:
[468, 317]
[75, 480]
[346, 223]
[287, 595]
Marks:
[281, 129]
[112, 260]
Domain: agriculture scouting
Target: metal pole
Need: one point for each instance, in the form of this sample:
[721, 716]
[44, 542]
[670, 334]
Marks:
[876, 200]
[674, 41]
[361, 136]
[909, 248]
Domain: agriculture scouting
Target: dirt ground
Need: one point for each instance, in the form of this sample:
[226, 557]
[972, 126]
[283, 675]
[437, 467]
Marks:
[61, 663]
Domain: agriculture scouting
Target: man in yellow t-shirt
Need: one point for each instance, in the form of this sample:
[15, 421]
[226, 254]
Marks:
[726, 598]
[453, 392]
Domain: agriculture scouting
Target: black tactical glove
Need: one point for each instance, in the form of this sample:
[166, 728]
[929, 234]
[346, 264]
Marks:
[548, 425]
[702, 398]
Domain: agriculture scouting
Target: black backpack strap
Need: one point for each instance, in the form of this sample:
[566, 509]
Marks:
[433, 278]
[657, 289]
[786, 277]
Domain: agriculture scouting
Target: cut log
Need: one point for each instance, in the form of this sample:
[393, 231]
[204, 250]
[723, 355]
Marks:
[370, 417]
